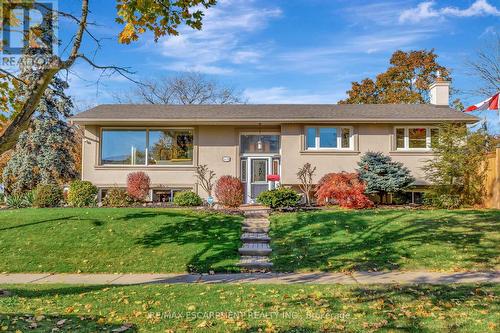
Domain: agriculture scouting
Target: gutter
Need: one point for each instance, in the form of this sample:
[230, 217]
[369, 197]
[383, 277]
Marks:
[94, 121]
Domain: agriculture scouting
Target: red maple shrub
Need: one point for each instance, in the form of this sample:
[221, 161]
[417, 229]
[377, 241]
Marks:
[229, 191]
[138, 185]
[345, 189]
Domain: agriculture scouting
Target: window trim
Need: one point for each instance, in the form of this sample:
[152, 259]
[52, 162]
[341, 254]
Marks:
[339, 139]
[407, 138]
[146, 164]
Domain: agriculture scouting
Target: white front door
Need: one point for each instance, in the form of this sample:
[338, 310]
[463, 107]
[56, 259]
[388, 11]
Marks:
[254, 175]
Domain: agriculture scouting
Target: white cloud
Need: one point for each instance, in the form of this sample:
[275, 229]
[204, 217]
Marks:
[283, 95]
[335, 54]
[426, 10]
[222, 39]
[490, 30]
[240, 57]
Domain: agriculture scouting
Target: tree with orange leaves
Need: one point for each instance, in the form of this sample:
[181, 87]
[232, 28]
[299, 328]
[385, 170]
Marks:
[405, 81]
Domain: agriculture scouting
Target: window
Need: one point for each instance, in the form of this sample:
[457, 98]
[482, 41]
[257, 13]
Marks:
[409, 138]
[170, 147]
[417, 137]
[346, 137]
[123, 147]
[243, 171]
[311, 137]
[265, 143]
[166, 195]
[328, 138]
[147, 147]
[276, 166]
[400, 138]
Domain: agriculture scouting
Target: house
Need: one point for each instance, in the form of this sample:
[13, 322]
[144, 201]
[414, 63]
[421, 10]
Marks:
[254, 141]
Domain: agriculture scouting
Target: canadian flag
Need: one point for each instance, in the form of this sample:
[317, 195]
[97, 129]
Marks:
[489, 104]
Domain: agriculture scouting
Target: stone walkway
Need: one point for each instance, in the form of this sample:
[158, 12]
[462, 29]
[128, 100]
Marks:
[256, 248]
[394, 277]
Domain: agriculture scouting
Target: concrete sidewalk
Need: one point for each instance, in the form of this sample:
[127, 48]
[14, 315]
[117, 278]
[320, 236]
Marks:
[394, 277]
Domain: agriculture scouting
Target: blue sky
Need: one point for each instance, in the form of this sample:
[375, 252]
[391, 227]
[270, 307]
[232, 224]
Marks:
[295, 51]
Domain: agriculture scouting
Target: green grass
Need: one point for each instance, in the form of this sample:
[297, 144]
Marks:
[117, 240]
[342, 240]
[250, 308]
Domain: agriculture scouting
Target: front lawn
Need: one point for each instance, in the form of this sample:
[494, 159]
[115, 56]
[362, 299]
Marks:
[251, 308]
[117, 240]
[383, 239]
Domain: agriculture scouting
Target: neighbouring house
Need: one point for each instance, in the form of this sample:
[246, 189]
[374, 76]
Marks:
[254, 141]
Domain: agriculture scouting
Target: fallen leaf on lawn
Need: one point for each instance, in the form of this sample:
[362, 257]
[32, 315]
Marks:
[61, 322]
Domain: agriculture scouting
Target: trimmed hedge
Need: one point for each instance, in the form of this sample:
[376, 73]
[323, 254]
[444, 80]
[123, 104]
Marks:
[82, 193]
[48, 195]
[281, 197]
[187, 198]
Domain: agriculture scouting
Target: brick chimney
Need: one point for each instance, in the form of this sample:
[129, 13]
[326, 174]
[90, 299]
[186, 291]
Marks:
[439, 91]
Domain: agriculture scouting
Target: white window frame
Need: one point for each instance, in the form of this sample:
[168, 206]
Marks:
[317, 146]
[146, 129]
[407, 138]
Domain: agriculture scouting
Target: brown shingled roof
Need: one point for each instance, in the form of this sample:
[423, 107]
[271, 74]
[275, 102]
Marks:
[274, 113]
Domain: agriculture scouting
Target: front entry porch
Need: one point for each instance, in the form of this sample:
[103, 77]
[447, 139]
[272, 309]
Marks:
[255, 172]
[260, 166]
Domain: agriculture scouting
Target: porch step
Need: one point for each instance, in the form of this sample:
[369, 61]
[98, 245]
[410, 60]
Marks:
[255, 249]
[256, 223]
[255, 237]
[255, 263]
[256, 214]
[255, 229]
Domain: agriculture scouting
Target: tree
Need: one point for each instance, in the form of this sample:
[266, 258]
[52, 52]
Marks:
[344, 188]
[205, 178]
[305, 177]
[161, 17]
[43, 153]
[382, 175]
[186, 88]
[486, 67]
[459, 167]
[405, 81]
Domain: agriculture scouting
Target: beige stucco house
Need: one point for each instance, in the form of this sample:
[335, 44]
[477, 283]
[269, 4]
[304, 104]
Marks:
[254, 141]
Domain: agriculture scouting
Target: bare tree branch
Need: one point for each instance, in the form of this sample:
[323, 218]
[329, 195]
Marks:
[82, 26]
[185, 88]
[486, 67]
[125, 72]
